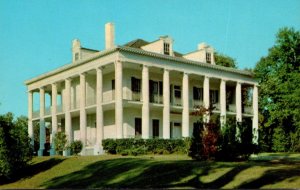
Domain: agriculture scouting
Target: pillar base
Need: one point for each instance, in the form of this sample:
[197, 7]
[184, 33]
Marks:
[66, 153]
[98, 150]
[52, 152]
[40, 152]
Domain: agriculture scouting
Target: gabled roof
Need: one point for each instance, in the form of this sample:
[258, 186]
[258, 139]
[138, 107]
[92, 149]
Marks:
[138, 43]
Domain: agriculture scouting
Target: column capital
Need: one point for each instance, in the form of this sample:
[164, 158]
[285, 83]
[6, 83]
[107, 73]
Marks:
[206, 77]
[42, 88]
[99, 68]
[224, 80]
[68, 79]
[186, 73]
[83, 74]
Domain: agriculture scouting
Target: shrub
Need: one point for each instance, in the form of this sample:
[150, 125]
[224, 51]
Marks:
[134, 146]
[76, 147]
[60, 140]
[280, 140]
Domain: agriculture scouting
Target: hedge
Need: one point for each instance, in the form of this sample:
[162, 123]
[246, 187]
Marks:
[133, 146]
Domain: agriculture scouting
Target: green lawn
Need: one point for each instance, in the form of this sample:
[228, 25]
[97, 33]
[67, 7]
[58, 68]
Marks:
[172, 171]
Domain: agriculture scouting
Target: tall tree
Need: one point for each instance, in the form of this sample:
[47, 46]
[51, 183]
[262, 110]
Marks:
[279, 99]
[225, 60]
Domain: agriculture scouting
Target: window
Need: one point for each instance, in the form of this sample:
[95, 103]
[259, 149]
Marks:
[208, 57]
[138, 126]
[214, 96]
[155, 125]
[155, 91]
[198, 93]
[135, 84]
[166, 48]
[76, 56]
[177, 91]
[113, 84]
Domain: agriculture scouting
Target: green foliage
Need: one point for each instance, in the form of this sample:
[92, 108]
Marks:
[76, 147]
[225, 60]
[280, 140]
[133, 146]
[279, 96]
[15, 148]
[60, 140]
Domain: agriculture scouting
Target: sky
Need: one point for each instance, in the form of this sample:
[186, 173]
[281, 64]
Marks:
[36, 36]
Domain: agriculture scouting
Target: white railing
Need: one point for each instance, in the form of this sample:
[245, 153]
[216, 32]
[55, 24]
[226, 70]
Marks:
[36, 114]
[109, 96]
[217, 106]
[177, 102]
[48, 110]
[155, 98]
[90, 101]
[248, 110]
[231, 108]
[197, 103]
[59, 108]
[136, 96]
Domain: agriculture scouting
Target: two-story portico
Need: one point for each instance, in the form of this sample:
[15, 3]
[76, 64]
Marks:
[138, 89]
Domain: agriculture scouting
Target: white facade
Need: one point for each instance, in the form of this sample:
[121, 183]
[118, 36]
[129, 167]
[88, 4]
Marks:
[139, 89]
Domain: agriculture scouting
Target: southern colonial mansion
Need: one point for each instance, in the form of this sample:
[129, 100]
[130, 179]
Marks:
[137, 90]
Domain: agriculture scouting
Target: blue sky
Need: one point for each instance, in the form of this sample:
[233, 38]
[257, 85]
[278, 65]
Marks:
[35, 36]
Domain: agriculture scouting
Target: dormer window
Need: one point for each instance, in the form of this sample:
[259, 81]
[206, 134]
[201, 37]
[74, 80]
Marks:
[166, 48]
[208, 57]
[76, 56]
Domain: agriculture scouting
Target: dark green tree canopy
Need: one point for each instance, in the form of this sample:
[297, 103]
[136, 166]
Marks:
[225, 60]
[279, 78]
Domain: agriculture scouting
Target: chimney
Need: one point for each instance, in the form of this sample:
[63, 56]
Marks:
[76, 55]
[109, 35]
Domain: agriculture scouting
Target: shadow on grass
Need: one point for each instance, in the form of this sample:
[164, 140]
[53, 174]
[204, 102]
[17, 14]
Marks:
[32, 170]
[144, 173]
[270, 177]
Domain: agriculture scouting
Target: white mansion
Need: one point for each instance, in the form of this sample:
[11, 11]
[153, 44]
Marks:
[138, 89]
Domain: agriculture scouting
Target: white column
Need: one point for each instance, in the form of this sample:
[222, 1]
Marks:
[255, 115]
[99, 112]
[68, 120]
[145, 108]
[119, 99]
[206, 100]
[30, 123]
[166, 109]
[54, 117]
[42, 122]
[238, 103]
[185, 103]
[223, 102]
[82, 112]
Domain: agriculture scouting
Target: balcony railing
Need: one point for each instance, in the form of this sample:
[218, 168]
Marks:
[36, 114]
[136, 96]
[155, 98]
[248, 110]
[197, 103]
[217, 106]
[231, 108]
[59, 108]
[90, 101]
[48, 110]
[109, 96]
[177, 102]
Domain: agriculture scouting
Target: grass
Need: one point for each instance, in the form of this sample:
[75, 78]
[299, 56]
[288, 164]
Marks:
[171, 171]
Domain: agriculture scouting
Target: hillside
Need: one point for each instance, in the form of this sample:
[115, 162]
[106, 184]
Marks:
[172, 171]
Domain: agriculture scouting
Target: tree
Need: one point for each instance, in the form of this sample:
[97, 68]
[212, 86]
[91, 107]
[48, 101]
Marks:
[279, 96]
[15, 148]
[225, 60]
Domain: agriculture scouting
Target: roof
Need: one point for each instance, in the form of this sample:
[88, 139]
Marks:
[140, 52]
[88, 49]
[138, 43]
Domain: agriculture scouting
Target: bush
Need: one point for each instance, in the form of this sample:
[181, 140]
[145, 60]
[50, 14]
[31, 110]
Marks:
[76, 147]
[135, 147]
[60, 140]
[15, 148]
